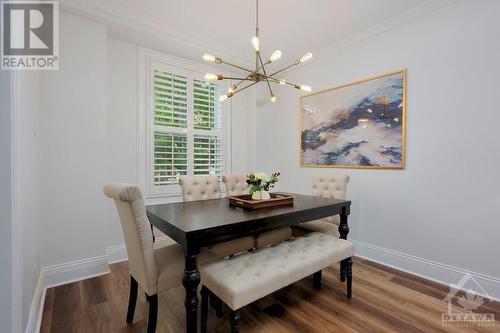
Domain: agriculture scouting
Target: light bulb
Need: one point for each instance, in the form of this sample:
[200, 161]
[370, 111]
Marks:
[305, 88]
[208, 57]
[306, 57]
[275, 56]
[222, 98]
[256, 43]
[273, 98]
[212, 77]
[282, 82]
[231, 89]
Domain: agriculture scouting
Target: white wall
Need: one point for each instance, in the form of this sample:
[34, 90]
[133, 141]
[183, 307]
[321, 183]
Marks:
[74, 146]
[445, 205]
[27, 182]
[22, 96]
[88, 137]
[5, 204]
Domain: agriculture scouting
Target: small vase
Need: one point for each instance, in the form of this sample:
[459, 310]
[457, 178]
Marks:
[261, 195]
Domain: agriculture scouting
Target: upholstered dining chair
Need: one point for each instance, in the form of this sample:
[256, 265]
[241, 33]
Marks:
[237, 185]
[196, 188]
[330, 187]
[154, 270]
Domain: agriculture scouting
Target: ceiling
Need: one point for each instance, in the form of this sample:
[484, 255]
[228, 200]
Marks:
[225, 27]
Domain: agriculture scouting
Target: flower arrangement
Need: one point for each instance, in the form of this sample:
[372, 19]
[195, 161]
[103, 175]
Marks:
[260, 183]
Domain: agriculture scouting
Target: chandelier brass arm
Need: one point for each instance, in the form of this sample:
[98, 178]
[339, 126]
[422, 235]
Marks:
[231, 94]
[267, 79]
[236, 66]
[285, 82]
[260, 72]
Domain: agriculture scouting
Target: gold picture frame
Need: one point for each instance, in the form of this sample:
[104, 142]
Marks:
[402, 160]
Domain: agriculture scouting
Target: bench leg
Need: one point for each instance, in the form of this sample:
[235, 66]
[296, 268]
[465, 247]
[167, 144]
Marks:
[317, 279]
[218, 307]
[211, 298]
[204, 309]
[235, 321]
[343, 270]
[349, 277]
[215, 303]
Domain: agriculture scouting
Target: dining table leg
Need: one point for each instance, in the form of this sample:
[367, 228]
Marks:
[343, 231]
[191, 280]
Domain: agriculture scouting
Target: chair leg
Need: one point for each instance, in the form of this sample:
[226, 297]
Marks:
[204, 309]
[152, 233]
[317, 279]
[343, 270]
[153, 313]
[349, 277]
[132, 300]
[235, 321]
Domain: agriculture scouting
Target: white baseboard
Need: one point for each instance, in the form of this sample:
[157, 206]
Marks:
[118, 253]
[36, 309]
[74, 271]
[56, 275]
[428, 269]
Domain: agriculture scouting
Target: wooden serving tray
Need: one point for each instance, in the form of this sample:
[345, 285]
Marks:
[246, 201]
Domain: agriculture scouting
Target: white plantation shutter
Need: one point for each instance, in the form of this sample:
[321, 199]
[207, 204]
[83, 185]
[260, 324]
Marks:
[170, 158]
[170, 99]
[207, 155]
[188, 127]
[207, 115]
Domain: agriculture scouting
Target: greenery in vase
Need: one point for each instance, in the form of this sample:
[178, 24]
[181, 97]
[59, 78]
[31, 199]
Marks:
[261, 182]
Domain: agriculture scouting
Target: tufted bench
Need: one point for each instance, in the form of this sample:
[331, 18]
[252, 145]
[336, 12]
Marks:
[245, 278]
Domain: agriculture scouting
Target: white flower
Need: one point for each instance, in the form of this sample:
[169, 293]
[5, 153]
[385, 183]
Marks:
[262, 176]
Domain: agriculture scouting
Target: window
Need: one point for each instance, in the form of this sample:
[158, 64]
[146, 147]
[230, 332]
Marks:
[187, 127]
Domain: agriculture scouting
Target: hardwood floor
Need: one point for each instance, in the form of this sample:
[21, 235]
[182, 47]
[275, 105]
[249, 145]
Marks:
[384, 300]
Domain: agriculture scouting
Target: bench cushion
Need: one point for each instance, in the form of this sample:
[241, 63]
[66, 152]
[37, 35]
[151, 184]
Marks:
[322, 226]
[233, 246]
[243, 279]
[271, 237]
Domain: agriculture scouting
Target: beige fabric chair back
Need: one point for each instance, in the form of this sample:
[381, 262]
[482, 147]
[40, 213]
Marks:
[330, 187]
[200, 188]
[137, 233]
[236, 184]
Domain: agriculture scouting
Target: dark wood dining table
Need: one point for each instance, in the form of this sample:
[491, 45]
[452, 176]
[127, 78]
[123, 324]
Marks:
[198, 224]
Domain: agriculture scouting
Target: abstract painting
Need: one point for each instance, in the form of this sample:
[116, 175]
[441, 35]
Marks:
[356, 125]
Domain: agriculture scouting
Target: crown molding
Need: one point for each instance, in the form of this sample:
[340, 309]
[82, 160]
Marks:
[426, 8]
[126, 24]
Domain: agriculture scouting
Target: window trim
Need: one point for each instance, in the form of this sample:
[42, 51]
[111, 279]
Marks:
[148, 60]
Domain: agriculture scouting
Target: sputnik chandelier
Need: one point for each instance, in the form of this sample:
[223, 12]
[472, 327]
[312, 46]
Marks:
[259, 74]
